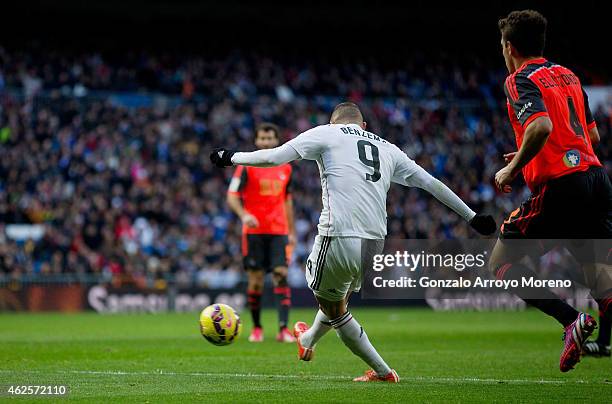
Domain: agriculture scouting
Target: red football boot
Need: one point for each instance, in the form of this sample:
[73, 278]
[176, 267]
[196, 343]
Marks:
[284, 335]
[256, 335]
[371, 376]
[574, 336]
[304, 353]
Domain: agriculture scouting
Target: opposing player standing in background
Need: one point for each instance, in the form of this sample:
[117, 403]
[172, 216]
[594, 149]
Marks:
[261, 197]
[571, 192]
[356, 168]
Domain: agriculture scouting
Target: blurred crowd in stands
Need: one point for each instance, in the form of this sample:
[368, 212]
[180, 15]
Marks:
[128, 192]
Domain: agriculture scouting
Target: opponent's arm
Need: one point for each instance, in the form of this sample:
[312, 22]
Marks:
[527, 102]
[235, 205]
[534, 139]
[289, 209]
[290, 219]
[234, 200]
[594, 136]
[590, 120]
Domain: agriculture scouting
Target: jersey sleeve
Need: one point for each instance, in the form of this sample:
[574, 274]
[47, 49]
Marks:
[238, 182]
[409, 173]
[404, 168]
[310, 144]
[587, 111]
[525, 98]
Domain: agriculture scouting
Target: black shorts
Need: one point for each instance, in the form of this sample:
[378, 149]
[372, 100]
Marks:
[264, 251]
[575, 206]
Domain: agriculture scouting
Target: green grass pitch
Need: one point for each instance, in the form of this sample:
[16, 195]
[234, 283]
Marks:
[441, 357]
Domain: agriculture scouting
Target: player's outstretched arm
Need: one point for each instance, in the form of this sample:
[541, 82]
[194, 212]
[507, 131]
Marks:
[418, 177]
[483, 224]
[260, 158]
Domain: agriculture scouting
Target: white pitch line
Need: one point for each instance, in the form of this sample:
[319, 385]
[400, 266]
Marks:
[203, 374]
[431, 379]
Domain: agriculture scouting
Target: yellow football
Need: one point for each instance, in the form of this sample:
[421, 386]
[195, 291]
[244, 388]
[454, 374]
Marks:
[220, 324]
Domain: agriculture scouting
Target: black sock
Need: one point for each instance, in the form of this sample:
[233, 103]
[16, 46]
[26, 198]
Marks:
[605, 305]
[605, 319]
[254, 300]
[282, 295]
[605, 329]
[546, 301]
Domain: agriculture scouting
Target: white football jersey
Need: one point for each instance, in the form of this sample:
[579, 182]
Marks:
[356, 168]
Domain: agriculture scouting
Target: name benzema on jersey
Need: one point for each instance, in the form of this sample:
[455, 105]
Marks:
[347, 130]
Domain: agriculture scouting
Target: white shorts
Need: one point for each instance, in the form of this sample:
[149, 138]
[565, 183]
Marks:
[333, 267]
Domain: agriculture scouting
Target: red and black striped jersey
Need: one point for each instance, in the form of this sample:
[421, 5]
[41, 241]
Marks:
[542, 88]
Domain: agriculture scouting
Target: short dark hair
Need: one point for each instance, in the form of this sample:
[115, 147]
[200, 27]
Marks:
[347, 111]
[526, 31]
[267, 127]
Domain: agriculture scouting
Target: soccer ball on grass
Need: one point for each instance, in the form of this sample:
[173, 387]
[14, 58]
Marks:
[220, 324]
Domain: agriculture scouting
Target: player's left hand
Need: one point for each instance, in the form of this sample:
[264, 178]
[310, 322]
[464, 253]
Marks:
[483, 224]
[292, 239]
[222, 157]
[503, 178]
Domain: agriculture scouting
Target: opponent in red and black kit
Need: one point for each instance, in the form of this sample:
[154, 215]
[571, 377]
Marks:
[261, 197]
[571, 192]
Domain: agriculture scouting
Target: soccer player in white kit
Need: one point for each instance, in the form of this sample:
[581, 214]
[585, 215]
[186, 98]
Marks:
[356, 168]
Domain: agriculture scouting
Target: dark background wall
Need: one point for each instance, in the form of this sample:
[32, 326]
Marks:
[579, 32]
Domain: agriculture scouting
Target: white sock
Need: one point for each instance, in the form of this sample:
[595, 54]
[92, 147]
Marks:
[355, 338]
[319, 328]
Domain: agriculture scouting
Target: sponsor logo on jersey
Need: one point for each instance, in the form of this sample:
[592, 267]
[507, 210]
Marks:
[571, 158]
[522, 110]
